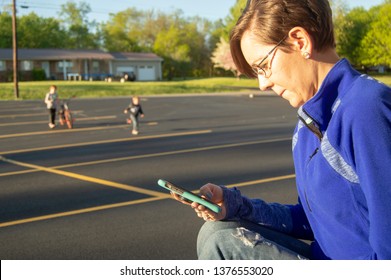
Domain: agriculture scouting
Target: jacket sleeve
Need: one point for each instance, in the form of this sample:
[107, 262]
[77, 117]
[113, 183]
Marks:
[273, 215]
[289, 219]
[371, 154]
[300, 226]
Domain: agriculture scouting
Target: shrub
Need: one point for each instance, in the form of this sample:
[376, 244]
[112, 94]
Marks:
[38, 74]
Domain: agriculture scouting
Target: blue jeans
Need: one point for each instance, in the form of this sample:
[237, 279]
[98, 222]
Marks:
[134, 122]
[242, 240]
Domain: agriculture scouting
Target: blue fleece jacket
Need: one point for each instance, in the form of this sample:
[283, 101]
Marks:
[342, 156]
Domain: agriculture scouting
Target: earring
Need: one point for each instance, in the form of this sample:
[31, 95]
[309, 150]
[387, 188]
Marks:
[306, 55]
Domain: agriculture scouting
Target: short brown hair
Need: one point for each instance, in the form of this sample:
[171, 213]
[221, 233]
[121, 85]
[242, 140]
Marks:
[271, 20]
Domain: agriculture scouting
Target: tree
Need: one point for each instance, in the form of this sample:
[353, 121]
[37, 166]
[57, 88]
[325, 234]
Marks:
[5, 30]
[377, 42]
[180, 41]
[197, 32]
[174, 50]
[125, 31]
[133, 30]
[74, 31]
[75, 21]
[230, 21]
[222, 57]
[350, 29]
[73, 14]
[186, 44]
[184, 47]
[38, 32]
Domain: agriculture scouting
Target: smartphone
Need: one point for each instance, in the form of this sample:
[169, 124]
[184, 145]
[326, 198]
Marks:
[188, 196]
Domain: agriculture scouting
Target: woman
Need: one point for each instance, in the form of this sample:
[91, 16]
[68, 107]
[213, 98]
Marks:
[341, 146]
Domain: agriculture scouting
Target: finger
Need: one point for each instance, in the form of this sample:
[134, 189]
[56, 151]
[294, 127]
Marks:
[184, 200]
[208, 217]
[207, 194]
[212, 192]
[175, 196]
[179, 198]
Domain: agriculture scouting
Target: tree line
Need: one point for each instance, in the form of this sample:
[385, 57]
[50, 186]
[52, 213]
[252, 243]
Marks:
[363, 36]
[190, 46]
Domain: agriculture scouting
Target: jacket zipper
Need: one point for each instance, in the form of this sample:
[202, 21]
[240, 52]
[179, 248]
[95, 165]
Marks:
[311, 124]
[314, 127]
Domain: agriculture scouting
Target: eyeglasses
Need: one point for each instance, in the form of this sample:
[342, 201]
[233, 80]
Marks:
[259, 69]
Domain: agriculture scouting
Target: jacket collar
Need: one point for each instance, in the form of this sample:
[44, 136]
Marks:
[317, 112]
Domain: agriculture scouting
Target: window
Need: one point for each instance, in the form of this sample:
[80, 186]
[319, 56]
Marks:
[26, 65]
[67, 64]
[2, 65]
[146, 66]
[95, 66]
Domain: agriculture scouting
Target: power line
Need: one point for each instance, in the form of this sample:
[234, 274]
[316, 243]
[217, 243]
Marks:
[52, 6]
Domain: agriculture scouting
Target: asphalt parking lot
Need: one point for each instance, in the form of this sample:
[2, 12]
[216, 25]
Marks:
[91, 192]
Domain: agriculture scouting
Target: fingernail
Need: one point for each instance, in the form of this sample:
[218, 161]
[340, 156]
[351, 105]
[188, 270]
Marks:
[209, 195]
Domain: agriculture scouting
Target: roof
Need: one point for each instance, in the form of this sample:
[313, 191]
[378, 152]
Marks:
[65, 54]
[135, 56]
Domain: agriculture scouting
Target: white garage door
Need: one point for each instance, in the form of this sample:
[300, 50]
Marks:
[146, 73]
[124, 69]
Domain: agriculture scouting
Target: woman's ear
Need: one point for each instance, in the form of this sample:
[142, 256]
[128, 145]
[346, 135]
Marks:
[301, 41]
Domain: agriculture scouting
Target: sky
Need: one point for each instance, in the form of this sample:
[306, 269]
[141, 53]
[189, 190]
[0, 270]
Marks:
[100, 9]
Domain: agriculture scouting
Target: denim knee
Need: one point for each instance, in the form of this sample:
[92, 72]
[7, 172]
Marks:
[215, 240]
[237, 240]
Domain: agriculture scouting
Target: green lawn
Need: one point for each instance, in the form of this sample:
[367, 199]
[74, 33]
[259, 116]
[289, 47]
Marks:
[37, 90]
[384, 79]
[66, 89]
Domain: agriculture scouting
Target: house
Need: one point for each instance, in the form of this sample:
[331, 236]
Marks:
[61, 64]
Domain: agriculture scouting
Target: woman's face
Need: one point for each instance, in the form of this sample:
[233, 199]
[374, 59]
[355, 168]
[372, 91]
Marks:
[290, 76]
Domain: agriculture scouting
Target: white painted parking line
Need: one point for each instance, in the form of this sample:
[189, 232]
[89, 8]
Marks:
[45, 122]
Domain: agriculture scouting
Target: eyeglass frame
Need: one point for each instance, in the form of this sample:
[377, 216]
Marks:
[257, 67]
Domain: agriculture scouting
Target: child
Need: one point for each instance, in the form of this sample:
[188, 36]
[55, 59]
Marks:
[51, 100]
[135, 111]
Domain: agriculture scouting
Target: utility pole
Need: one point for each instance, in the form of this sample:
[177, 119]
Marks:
[15, 49]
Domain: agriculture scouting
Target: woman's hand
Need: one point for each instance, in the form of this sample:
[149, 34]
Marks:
[212, 193]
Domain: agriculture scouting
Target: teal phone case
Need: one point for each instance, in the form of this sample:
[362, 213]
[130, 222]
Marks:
[189, 195]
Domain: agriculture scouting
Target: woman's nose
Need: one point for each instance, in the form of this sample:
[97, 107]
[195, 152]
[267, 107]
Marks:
[264, 83]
